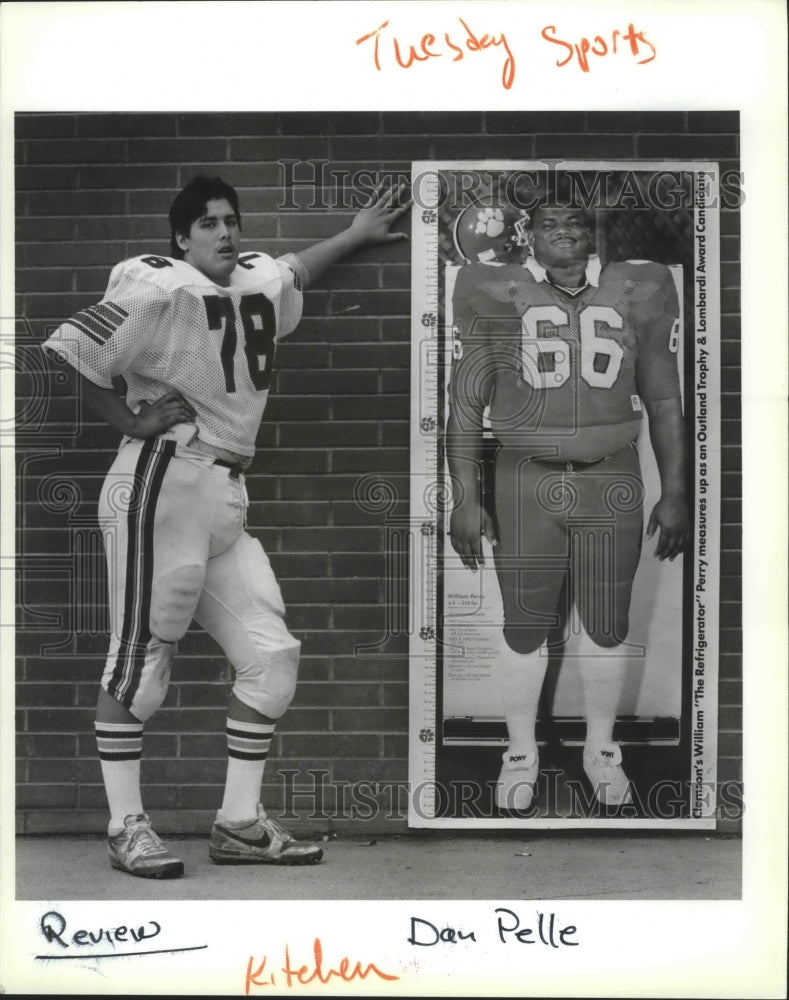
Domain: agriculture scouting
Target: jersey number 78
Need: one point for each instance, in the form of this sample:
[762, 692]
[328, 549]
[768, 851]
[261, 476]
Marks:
[259, 325]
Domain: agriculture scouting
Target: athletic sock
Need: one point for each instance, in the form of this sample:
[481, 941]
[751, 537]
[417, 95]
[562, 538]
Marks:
[120, 750]
[247, 748]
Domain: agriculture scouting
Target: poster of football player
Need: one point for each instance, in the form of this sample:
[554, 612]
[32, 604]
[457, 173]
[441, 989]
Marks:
[564, 494]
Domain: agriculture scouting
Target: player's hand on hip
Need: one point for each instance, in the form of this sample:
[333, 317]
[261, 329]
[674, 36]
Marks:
[373, 223]
[670, 516]
[467, 525]
[156, 418]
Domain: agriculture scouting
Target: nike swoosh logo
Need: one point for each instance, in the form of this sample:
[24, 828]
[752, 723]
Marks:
[262, 841]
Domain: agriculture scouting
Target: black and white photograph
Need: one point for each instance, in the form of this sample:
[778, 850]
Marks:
[622, 650]
[385, 393]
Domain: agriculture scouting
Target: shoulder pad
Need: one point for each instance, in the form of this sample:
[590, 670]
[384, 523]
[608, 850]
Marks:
[166, 273]
[636, 270]
[254, 267]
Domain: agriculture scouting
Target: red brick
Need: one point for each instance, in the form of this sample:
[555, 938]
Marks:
[634, 121]
[132, 126]
[377, 720]
[56, 203]
[322, 329]
[39, 229]
[182, 772]
[308, 616]
[396, 746]
[294, 354]
[370, 616]
[58, 178]
[379, 356]
[129, 176]
[377, 303]
[331, 382]
[124, 227]
[714, 121]
[55, 770]
[45, 745]
[44, 126]
[686, 146]
[337, 694]
[190, 694]
[282, 462]
[313, 226]
[348, 433]
[237, 123]
[331, 745]
[297, 564]
[275, 147]
[75, 150]
[194, 747]
[389, 460]
[45, 255]
[48, 695]
[180, 151]
[41, 796]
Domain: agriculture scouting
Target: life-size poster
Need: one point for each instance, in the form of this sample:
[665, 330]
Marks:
[473, 226]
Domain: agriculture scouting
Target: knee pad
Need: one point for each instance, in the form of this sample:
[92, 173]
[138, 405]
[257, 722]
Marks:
[141, 691]
[269, 682]
[523, 639]
[174, 598]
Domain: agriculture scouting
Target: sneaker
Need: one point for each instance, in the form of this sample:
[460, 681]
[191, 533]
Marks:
[603, 766]
[517, 781]
[138, 851]
[258, 841]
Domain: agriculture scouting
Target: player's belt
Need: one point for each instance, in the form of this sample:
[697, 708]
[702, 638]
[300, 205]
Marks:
[235, 468]
[560, 465]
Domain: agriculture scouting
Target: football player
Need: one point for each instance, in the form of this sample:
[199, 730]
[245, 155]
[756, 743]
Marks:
[194, 337]
[565, 356]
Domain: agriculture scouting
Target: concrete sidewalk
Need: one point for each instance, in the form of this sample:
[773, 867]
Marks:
[435, 865]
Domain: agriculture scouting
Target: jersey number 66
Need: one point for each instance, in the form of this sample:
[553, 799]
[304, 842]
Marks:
[601, 356]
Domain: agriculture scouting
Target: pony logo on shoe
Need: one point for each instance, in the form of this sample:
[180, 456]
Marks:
[517, 782]
[603, 767]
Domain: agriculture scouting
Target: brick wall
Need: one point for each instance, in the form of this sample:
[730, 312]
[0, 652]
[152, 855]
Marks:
[94, 188]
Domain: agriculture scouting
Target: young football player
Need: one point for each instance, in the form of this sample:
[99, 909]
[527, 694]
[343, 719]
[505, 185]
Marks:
[194, 336]
[564, 354]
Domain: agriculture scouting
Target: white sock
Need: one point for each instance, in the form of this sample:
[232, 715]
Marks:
[520, 678]
[120, 750]
[603, 677]
[247, 748]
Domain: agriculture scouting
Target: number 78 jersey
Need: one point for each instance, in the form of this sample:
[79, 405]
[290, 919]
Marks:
[563, 371]
[163, 324]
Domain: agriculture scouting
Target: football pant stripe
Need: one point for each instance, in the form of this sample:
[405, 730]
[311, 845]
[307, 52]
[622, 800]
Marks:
[135, 634]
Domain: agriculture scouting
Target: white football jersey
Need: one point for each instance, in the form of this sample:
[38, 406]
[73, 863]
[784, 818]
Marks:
[163, 324]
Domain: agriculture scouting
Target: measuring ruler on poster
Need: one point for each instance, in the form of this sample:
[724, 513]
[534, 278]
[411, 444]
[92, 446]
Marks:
[426, 500]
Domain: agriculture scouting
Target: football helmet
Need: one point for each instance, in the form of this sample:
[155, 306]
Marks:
[489, 234]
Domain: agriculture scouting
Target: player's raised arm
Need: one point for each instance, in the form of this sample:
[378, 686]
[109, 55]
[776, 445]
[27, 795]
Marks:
[670, 513]
[372, 224]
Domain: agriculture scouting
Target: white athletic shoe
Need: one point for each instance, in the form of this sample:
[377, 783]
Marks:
[517, 781]
[603, 766]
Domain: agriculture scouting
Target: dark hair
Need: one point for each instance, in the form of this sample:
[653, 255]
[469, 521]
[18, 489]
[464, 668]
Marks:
[567, 191]
[190, 203]
[588, 215]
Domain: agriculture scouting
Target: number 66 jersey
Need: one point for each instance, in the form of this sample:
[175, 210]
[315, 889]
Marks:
[163, 324]
[563, 370]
